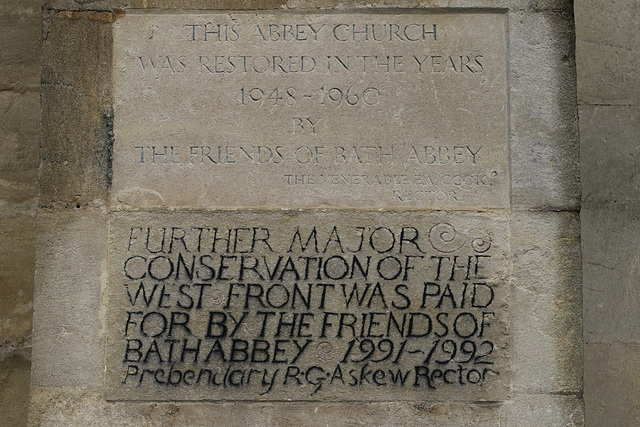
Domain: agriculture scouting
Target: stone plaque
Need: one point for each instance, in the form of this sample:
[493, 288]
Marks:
[278, 109]
[358, 305]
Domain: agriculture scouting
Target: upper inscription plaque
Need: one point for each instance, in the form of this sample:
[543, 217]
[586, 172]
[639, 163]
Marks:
[306, 110]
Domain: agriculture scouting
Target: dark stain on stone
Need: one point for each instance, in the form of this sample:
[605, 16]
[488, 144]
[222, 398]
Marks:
[107, 125]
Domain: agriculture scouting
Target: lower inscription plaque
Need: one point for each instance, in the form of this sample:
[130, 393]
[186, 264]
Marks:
[307, 306]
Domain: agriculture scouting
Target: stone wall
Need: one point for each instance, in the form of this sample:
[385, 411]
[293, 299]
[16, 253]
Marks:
[80, 299]
[19, 131]
[608, 94]
[608, 43]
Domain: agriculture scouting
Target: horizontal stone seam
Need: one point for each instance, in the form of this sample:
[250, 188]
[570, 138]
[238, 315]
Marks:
[20, 89]
[604, 43]
[365, 6]
[175, 209]
[15, 346]
[70, 208]
[372, 209]
[83, 10]
[576, 394]
[576, 209]
[596, 104]
[99, 204]
[568, 10]
[22, 11]
[17, 212]
[75, 207]
[88, 390]
[483, 403]
[635, 343]
[47, 84]
[594, 202]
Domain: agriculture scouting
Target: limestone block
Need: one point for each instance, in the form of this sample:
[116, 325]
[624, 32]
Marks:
[17, 256]
[611, 383]
[15, 370]
[544, 139]
[20, 45]
[68, 342]
[546, 302]
[19, 133]
[22, 7]
[611, 278]
[606, 50]
[610, 153]
[611, 79]
[76, 113]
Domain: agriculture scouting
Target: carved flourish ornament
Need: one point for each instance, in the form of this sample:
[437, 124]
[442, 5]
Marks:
[445, 238]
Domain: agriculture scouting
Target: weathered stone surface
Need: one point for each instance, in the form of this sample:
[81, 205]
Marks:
[19, 132]
[21, 7]
[15, 370]
[75, 152]
[607, 47]
[614, 80]
[611, 273]
[607, 50]
[17, 255]
[20, 39]
[414, 115]
[319, 305]
[20, 46]
[540, 410]
[77, 407]
[611, 383]
[543, 116]
[531, 5]
[547, 302]
[610, 153]
[68, 343]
